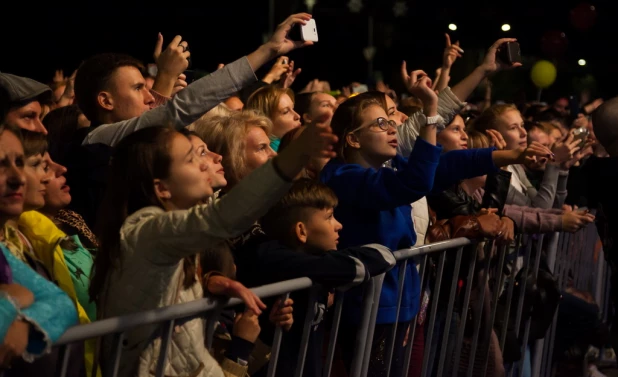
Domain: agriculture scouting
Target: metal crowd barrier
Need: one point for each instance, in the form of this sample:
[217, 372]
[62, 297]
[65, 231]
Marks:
[568, 256]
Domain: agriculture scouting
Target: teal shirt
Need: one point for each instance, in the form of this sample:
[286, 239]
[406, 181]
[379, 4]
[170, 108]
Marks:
[274, 143]
[79, 262]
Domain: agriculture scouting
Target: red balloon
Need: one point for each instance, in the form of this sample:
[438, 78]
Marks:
[583, 16]
[554, 43]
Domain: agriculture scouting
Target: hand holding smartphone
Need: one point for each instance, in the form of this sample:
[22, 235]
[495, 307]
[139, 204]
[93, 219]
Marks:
[509, 53]
[308, 32]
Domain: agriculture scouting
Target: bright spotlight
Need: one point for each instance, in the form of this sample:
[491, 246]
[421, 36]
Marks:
[581, 62]
[506, 27]
[452, 27]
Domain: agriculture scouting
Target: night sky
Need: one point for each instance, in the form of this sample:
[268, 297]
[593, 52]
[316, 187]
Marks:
[39, 39]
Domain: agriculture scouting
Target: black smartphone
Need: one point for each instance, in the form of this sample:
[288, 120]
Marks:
[509, 53]
[574, 108]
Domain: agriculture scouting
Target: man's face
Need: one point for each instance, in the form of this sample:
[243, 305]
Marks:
[27, 117]
[561, 106]
[128, 95]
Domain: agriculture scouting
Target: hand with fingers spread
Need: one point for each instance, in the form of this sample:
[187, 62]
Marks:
[491, 64]
[223, 286]
[280, 43]
[565, 149]
[495, 139]
[59, 76]
[281, 314]
[247, 326]
[280, 67]
[419, 84]
[451, 53]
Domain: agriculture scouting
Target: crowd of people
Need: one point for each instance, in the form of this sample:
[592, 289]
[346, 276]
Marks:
[123, 191]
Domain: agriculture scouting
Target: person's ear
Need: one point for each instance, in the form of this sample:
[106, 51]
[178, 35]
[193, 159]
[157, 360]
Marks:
[300, 230]
[306, 118]
[105, 101]
[161, 190]
[352, 141]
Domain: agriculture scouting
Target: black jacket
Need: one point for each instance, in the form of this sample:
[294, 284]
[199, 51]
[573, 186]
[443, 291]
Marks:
[272, 262]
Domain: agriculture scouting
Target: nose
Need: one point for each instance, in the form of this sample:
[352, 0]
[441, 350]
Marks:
[403, 116]
[522, 132]
[15, 177]
[216, 158]
[271, 153]
[338, 225]
[148, 98]
[39, 127]
[464, 135]
[296, 116]
[392, 129]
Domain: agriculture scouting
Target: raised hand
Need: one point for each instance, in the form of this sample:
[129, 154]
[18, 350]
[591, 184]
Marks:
[491, 64]
[59, 76]
[280, 67]
[495, 139]
[451, 52]
[180, 84]
[565, 149]
[289, 77]
[279, 43]
[174, 60]
[419, 84]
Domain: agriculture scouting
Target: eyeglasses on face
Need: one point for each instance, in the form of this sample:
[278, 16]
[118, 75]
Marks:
[382, 123]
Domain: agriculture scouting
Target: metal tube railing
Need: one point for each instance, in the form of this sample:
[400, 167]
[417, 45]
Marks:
[561, 258]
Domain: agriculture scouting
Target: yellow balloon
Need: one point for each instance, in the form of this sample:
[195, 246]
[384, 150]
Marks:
[543, 74]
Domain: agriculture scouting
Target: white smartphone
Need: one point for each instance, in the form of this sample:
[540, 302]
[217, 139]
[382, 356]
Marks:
[309, 32]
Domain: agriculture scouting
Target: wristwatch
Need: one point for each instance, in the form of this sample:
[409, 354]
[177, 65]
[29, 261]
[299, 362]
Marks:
[435, 120]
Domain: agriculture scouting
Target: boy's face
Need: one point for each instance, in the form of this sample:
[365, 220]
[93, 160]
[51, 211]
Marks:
[321, 230]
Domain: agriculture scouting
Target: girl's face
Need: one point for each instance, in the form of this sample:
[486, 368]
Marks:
[511, 127]
[454, 136]
[189, 180]
[38, 176]
[393, 113]
[216, 174]
[257, 149]
[12, 177]
[285, 118]
[57, 195]
[376, 137]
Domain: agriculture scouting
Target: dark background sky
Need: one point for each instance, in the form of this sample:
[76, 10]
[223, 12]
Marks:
[38, 39]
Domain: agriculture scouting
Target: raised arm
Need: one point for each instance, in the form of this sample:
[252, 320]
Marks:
[191, 103]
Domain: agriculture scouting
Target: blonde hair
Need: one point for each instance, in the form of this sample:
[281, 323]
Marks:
[477, 140]
[219, 110]
[488, 120]
[266, 100]
[226, 135]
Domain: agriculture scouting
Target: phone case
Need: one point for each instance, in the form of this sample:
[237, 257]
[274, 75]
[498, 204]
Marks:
[309, 32]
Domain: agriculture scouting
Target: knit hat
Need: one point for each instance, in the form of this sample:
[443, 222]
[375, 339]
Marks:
[21, 90]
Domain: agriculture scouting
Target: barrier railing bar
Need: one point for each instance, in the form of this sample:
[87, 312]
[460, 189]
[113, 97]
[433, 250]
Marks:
[449, 311]
[408, 351]
[377, 290]
[464, 317]
[304, 343]
[166, 337]
[126, 322]
[115, 357]
[431, 248]
[434, 310]
[276, 346]
[334, 332]
[65, 353]
[393, 334]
